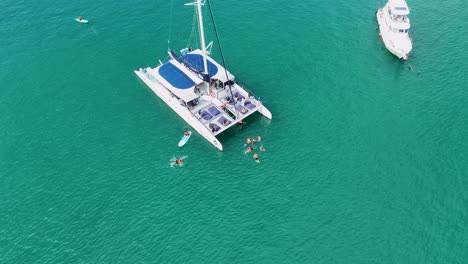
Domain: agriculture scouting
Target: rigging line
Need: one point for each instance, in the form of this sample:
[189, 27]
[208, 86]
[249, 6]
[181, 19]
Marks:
[221, 52]
[170, 26]
[194, 22]
[195, 10]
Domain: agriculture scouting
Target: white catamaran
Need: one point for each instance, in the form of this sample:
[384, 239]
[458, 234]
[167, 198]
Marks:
[200, 90]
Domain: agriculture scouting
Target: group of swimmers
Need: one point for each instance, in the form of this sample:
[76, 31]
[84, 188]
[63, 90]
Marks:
[250, 142]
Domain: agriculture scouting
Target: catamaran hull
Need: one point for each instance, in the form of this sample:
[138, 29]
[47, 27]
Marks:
[265, 112]
[182, 111]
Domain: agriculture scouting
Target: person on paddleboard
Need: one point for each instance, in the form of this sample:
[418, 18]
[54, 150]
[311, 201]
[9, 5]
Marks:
[80, 18]
[186, 133]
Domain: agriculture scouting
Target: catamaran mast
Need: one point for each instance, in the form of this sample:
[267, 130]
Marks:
[202, 36]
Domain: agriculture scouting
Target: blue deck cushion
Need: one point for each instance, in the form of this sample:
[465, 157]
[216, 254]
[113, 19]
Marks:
[238, 96]
[196, 60]
[213, 110]
[249, 105]
[241, 109]
[214, 128]
[175, 77]
[224, 121]
[205, 115]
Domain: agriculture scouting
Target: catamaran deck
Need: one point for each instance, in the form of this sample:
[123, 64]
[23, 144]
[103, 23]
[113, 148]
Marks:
[219, 113]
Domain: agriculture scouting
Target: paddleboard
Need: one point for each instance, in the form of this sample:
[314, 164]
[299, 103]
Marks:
[84, 21]
[184, 139]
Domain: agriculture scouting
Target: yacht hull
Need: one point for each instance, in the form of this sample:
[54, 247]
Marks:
[392, 41]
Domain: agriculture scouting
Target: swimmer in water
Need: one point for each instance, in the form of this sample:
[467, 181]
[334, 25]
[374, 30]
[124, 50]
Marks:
[259, 138]
[177, 161]
[249, 149]
[255, 156]
[248, 141]
[262, 148]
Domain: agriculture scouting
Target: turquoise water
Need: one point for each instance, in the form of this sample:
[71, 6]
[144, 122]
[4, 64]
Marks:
[366, 157]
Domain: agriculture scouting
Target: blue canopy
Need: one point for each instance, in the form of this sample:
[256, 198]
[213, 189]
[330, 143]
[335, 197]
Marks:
[175, 77]
[196, 60]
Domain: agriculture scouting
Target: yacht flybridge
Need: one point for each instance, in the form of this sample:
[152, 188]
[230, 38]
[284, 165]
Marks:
[394, 25]
[201, 91]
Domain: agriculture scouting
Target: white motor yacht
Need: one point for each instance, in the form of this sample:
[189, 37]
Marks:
[200, 90]
[394, 25]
